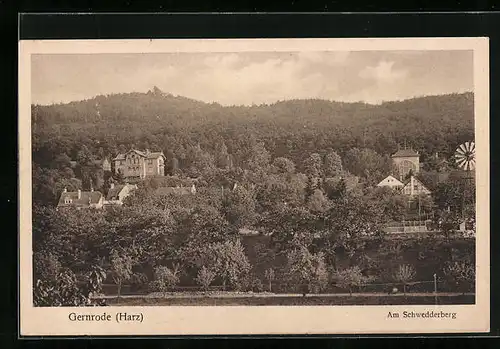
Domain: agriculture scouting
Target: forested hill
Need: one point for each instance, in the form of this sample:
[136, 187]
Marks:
[158, 120]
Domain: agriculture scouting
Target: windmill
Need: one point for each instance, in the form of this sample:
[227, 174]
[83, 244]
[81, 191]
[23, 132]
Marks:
[465, 158]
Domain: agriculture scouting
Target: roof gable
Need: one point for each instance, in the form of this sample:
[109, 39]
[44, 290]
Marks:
[390, 180]
[86, 198]
[146, 154]
[155, 155]
[404, 153]
[418, 182]
[114, 192]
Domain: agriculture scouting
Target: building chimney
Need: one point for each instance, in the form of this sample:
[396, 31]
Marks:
[79, 194]
[65, 190]
[112, 185]
[437, 155]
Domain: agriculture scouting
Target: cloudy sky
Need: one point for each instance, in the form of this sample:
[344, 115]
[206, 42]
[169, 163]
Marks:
[254, 77]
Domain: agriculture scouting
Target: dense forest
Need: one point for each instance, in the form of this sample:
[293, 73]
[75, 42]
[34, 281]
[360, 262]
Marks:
[301, 172]
[292, 129]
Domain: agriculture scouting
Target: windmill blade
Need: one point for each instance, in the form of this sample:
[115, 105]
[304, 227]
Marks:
[463, 148]
[472, 164]
[461, 162]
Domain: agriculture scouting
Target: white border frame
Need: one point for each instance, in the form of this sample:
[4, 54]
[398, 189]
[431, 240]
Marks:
[257, 320]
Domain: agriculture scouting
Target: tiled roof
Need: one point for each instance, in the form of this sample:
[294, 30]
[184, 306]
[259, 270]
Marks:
[154, 155]
[113, 192]
[394, 179]
[405, 153]
[94, 197]
[148, 155]
[416, 181]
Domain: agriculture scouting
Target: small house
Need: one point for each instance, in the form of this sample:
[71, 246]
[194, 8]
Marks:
[414, 188]
[81, 199]
[118, 193]
[391, 182]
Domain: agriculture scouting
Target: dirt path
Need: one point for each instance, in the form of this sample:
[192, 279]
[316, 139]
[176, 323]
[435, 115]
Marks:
[281, 295]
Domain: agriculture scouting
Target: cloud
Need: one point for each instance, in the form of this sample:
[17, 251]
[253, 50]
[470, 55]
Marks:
[231, 80]
[384, 72]
[254, 77]
[323, 57]
[221, 61]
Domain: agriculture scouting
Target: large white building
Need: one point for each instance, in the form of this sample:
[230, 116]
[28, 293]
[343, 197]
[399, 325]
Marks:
[139, 164]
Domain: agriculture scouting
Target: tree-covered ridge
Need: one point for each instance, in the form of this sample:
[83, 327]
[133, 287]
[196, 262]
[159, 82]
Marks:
[158, 120]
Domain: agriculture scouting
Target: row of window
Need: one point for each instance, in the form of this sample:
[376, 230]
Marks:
[137, 168]
[134, 161]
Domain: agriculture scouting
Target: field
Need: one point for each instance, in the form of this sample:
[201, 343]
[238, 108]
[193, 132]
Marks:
[278, 300]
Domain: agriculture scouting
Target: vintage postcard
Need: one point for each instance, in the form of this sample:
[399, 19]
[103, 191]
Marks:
[261, 186]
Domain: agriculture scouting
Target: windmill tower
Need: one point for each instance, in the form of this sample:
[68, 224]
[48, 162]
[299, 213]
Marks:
[465, 158]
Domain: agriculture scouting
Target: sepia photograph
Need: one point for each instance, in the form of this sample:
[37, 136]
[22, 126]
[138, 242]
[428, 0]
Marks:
[301, 176]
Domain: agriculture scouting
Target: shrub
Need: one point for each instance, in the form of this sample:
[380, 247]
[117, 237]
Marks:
[205, 277]
[404, 274]
[46, 266]
[269, 275]
[307, 270]
[121, 267]
[350, 278]
[66, 291]
[461, 273]
[165, 278]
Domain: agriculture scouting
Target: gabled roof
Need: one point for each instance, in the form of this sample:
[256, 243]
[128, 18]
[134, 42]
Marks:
[146, 154]
[396, 181]
[154, 155]
[113, 192]
[94, 196]
[116, 190]
[416, 180]
[404, 153]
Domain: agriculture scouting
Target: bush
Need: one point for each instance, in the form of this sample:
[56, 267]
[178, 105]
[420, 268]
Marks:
[165, 279]
[66, 291]
[350, 278]
[46, 266]
[461, 273]
[307, 270]
[270, 276]
[138, 281]
[205, 277]
[404, 274]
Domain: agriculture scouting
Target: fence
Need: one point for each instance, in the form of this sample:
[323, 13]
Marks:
[426, 286]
